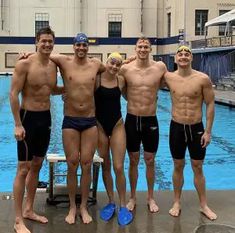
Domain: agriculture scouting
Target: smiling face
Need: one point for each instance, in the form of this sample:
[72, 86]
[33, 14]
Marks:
[143, 49]
[45, 43]
[113, 65]
[80, 49]
[183, 59]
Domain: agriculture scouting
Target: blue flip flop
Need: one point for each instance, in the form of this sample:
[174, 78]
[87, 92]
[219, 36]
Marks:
[124, 216]
[107, 212]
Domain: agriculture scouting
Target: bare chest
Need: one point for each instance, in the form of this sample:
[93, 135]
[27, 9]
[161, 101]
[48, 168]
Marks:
[80, 77]
[39, 77]
[186, 88]
[143, 78]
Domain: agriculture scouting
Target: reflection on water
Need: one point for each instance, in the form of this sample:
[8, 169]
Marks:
[220, 159]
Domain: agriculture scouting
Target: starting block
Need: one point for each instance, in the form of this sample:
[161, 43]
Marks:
[58, 193]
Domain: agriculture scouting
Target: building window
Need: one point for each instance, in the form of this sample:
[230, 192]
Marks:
[168, 24]
[11, 59]
[201, 17]
[41, 21]
[115, 25]
[222, 27]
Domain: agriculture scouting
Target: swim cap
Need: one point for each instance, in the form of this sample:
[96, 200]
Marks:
[80, 38]
[115, 55]
[183, 48]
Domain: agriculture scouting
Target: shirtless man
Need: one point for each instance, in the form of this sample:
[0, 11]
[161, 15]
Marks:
[35, 78]
[189, 89]
[143, 77]
[79, 125]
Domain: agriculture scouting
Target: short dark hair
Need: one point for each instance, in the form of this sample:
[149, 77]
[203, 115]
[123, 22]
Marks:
[44, 30]
[143, 38]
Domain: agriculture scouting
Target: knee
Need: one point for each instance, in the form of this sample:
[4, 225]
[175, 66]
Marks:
[197, 168]
[23, 171]
[134, 162]
[118, 169]
[86, 165]
[179, 168]
[36, 165]
[73, 162]
[149, 161]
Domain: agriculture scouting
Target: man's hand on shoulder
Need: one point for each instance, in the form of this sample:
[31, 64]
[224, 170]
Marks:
[24, 55]
[129, 59]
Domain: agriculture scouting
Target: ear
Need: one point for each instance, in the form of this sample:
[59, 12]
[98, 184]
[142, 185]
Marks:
[175, 58]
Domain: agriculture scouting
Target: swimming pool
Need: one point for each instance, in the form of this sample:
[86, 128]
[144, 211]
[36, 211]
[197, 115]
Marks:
[219, 165]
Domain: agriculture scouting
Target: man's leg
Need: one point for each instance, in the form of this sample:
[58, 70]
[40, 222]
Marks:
[89, 139]
[134, 158]
[18, 190]
[71, 143]
[103, 149]
[118, 148]
[199, 182]
[178, 181]
[31, 186]
[150, 176]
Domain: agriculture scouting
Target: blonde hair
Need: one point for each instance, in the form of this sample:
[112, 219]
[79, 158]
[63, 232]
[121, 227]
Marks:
[183, 48]
[115, 55]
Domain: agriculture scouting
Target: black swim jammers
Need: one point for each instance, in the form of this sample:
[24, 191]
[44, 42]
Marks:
[142, 129]
[37, 125]
[78, 123]
[186, 136]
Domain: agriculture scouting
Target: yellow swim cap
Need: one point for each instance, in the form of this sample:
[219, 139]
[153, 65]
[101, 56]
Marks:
[183, 48]
[115, 55]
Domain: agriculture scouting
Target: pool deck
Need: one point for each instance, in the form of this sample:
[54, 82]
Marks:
[223, 202]
[225, 97]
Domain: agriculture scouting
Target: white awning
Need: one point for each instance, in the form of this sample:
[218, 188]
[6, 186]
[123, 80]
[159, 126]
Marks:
[222, 19]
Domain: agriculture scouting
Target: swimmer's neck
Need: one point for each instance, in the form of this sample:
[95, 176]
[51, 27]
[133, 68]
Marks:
[143, 63]
[82, 60]
[185, 72]
[43, 58]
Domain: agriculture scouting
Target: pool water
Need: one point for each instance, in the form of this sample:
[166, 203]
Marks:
[219, 165]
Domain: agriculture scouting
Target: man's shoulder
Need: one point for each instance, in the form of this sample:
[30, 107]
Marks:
[201, 75]
[158, 65]
[126, 67]
[59, 58]
[94, 60]
[23, 64]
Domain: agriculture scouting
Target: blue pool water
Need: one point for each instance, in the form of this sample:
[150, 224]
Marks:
[219, 165]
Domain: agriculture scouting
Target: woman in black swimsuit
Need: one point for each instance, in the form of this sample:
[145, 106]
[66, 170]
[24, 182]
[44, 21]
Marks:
[111, 136]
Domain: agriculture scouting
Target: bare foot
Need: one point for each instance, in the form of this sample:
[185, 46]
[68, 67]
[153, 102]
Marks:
[208, 213]
[175, 210]
[131, 204]
[19, 227]
[153, 208]
[86, 218]
[71, 217]
[35, 217]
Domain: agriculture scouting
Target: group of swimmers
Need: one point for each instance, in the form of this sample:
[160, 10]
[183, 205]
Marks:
[93, 121]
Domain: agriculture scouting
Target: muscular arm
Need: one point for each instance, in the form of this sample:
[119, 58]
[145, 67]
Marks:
[209, 97]
[123, 80]
[58, 59]
[102, 67]
[122, 85]
[17, 84]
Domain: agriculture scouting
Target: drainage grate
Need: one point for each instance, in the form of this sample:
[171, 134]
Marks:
[215, 228]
